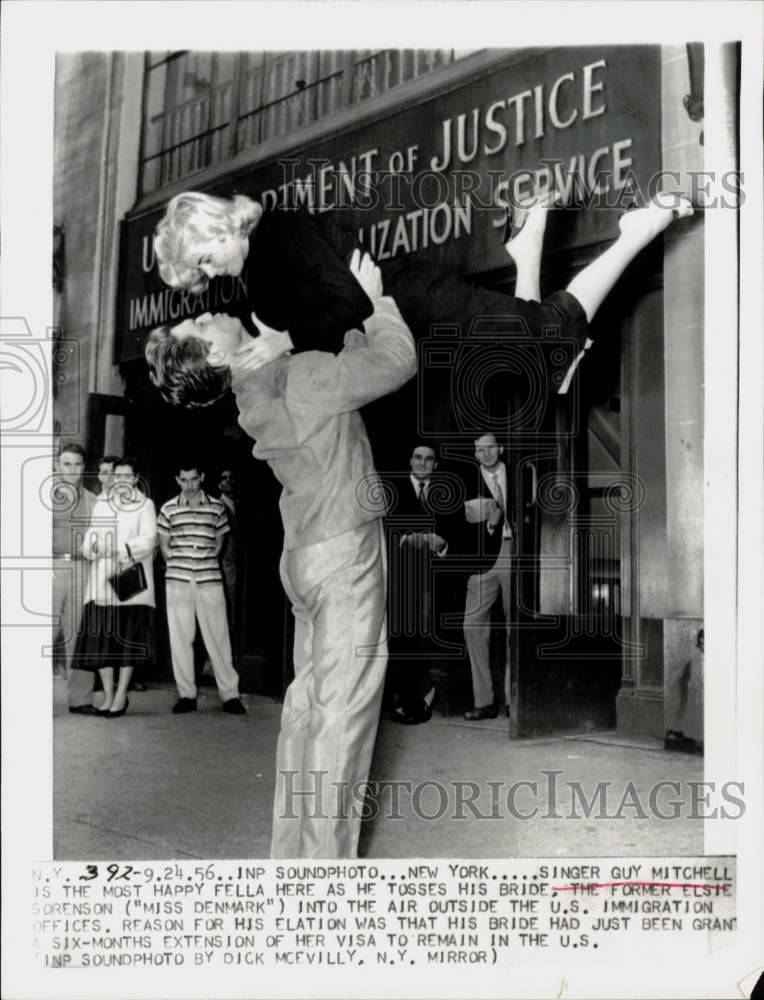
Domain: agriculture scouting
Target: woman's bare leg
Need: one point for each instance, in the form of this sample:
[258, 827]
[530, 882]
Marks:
[638, 228]
[525, 250]
[107, 679]
[125, 675]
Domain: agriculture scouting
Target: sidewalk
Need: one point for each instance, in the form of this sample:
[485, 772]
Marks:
[152, 785]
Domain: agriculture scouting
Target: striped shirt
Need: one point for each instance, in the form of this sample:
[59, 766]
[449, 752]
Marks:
[193, 533]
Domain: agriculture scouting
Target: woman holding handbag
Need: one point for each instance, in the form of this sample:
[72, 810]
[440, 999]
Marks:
[118, 621]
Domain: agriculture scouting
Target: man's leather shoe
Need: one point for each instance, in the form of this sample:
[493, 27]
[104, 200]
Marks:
[401, 716]
[183, 705]
[234, 707]
[83, 710]
[486, 712]
[414, 715]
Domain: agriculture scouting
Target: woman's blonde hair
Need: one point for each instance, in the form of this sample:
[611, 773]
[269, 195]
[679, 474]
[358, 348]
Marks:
[193, 218]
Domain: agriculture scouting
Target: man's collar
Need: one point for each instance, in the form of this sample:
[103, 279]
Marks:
[60, 481]
[203, 498]
[495, 471]
[122, 496]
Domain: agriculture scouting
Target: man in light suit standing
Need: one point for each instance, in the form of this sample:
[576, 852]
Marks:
[491, 534]
[71, 506]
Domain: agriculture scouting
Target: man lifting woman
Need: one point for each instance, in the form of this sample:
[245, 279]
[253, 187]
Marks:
[302, 412]
[298, 279]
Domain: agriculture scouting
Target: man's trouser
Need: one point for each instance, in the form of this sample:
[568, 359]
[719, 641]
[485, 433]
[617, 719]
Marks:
[331, 708]
[69, 580]
[188, 601]
[482, 591]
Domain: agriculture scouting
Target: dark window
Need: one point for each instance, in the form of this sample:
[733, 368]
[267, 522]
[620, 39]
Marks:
[187, 116]
[200, 108]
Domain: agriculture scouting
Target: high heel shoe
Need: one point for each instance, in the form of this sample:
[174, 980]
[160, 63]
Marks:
[428, 706]
[120, 711]
[513, 223]
[415, 713]
[517, 215]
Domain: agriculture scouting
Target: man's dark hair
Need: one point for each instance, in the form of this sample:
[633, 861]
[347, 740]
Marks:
[125, 460]
[187, 462]
[180, 370]
[73, 448]
[111, 460]
[424, 444]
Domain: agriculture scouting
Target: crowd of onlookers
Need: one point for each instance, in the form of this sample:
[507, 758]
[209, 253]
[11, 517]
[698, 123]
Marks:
[448, 541]
[103, 580]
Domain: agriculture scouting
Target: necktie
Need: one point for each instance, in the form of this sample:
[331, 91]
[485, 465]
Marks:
[499, 493]
[506, 531]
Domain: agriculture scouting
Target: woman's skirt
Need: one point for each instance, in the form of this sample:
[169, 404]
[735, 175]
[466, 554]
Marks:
[114, 636]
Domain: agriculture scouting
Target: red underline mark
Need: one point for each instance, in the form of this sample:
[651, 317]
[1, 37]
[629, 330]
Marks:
[607, 885]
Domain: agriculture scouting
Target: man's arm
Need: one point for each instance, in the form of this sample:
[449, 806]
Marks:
[222, 527]
[144, 542]
[163, 534]
[164, 545]
[299, 280]
[367, 368]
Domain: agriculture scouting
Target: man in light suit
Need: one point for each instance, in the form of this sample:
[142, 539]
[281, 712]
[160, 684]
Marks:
[489, 527]
[71, 505]
[302, 412]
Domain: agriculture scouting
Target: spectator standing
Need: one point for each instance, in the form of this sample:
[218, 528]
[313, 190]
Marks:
[422, 532]
[228, 562]
[118, 634]
[71, 506]
[106, 474]
[491, 537]
[192, 529]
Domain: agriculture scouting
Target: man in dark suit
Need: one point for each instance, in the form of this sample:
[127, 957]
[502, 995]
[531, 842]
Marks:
[422, 528]
[490, 534]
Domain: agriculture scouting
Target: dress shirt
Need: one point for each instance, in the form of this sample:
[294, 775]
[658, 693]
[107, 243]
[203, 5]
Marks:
[193, 530]
[425, 491]
[71, 508]
[496, 481]
[417, 483]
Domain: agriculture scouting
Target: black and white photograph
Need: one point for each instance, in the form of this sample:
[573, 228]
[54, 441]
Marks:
[383, 481]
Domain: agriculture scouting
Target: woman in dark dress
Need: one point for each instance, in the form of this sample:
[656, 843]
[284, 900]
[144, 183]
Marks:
[116, 635]
[298, 277]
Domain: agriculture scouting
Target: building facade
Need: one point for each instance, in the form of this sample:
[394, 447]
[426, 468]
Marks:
[417, 151]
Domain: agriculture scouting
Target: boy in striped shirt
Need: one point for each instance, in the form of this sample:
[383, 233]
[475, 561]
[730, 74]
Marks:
[192, 528]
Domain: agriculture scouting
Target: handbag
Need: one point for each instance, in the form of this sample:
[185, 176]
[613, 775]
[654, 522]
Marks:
[130, 581]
